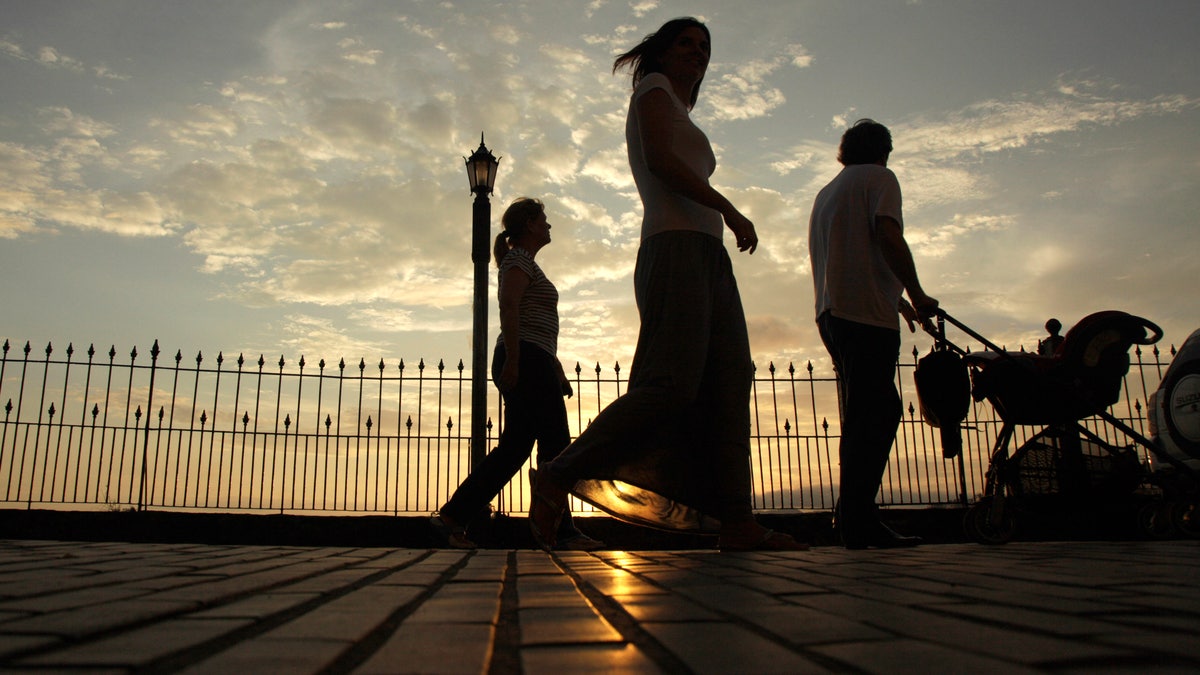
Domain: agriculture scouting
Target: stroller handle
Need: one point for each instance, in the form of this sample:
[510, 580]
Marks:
[939, 333]
[1154, 331]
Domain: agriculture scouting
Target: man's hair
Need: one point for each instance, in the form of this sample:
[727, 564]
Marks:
[866, 142]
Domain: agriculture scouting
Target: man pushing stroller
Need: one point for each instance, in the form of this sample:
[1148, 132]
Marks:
[861, 268]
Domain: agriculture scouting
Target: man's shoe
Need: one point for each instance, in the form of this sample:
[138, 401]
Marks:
[453, 536]
[879, 535]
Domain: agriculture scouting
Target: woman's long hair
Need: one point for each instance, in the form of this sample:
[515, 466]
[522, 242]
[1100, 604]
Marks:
[515, 219]
[646, 57]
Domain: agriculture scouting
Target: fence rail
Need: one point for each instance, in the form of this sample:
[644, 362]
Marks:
[109, 430]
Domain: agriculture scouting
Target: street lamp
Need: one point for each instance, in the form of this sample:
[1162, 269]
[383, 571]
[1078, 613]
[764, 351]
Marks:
[481, 172]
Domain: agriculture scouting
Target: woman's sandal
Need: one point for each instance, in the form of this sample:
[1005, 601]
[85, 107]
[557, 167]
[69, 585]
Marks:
[770, 541]
[546, 510]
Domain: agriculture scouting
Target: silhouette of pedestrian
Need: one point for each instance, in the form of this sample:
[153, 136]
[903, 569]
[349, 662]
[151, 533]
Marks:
[692, 370]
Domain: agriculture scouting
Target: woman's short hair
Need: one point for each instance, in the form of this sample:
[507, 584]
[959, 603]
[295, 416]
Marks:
[866, 142]
[515, 219]
[646, 57]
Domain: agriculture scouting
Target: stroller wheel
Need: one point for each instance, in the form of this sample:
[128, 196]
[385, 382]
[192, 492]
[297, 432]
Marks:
[989, 523]
[1186, 518]
[1155, 521]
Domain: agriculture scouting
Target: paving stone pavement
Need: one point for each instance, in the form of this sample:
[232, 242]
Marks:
[1060, 607]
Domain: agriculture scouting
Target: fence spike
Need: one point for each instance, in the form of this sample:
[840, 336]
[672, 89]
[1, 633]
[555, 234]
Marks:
[178, 357]
[262, 361]
[342, 364]
[199, 358]
[133, 354]
[28, 349]
[154, 351]
[241, 360]
[281, 362]
[70, 349]
[362, 365]
[381, 367]
[301, 363]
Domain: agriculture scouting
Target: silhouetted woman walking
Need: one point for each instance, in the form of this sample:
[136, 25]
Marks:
[676, 446]
[526, 369]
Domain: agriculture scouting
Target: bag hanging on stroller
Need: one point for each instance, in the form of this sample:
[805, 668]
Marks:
[944, 392]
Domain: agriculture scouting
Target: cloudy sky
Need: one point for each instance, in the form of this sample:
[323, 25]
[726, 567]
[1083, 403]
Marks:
[286, 177]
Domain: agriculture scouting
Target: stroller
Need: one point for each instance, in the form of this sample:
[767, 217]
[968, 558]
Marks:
[1066, 462]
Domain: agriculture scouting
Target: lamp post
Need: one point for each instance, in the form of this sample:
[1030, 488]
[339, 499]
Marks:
[481, 172]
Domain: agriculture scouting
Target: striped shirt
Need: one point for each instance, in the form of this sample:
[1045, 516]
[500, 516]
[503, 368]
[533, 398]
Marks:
[539, 304]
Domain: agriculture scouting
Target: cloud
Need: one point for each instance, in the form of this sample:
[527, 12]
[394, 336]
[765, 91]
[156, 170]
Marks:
[202, 126]
[997, 125]
[306, 334]
[58, 121]
[325, 179]
[745, 93]
[940, 241]
[643, 7]
[52, 58]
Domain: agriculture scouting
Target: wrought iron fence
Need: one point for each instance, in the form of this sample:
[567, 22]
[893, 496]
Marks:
[110, 430]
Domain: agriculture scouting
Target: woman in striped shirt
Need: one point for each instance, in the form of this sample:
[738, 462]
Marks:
[526, 369]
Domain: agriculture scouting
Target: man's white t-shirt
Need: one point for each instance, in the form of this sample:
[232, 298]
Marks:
[663, 210]
[851, 278]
